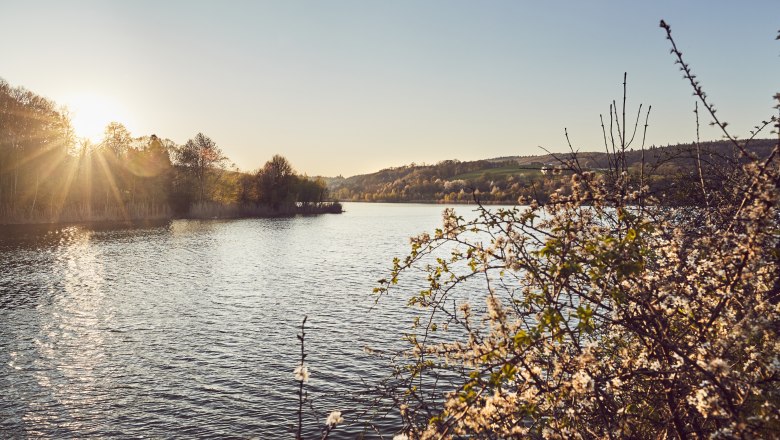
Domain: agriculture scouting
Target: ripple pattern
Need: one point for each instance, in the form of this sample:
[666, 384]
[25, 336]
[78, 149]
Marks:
[187, 329]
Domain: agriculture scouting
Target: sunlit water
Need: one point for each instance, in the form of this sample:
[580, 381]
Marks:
[187, 329]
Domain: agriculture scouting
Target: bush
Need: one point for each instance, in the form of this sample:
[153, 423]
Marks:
[600, 313]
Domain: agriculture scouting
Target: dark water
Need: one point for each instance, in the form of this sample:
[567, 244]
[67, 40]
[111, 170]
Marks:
[187, 329]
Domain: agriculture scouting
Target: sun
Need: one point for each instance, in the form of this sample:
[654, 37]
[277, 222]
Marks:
[91, 113]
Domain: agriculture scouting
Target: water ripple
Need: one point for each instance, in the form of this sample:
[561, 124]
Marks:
[187, 328]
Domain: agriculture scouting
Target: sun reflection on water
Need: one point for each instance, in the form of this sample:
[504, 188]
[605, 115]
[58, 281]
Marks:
[69, 343]
[187, 329]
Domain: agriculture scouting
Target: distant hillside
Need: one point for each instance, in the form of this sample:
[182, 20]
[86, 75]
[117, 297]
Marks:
[505, 179]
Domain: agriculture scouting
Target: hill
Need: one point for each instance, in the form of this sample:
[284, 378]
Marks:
[668, 170]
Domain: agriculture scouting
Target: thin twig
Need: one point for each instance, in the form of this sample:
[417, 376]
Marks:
[698, 157]
[301, 395]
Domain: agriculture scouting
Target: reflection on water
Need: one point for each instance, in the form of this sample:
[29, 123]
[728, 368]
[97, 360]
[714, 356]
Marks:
[187, 328]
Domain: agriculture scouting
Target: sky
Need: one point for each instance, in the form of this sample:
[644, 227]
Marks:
[350, 87]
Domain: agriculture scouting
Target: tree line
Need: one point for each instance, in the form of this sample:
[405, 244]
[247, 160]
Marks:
[48, 174]
[668, 171]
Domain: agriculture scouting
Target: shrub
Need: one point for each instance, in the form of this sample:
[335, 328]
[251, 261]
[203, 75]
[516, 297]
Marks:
[600, 313]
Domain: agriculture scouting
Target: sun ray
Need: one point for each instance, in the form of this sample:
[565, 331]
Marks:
[36, 152]
[61, 196]
[112, 184]
[47, 169]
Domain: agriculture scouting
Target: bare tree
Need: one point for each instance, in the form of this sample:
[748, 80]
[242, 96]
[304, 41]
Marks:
[199, 156]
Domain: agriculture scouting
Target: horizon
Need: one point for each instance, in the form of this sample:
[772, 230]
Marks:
[349, 88]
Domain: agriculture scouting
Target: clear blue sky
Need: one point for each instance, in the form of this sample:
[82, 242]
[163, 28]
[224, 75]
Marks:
[349, 87]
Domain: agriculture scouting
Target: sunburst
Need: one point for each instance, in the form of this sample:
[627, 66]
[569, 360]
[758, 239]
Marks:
[91, 113]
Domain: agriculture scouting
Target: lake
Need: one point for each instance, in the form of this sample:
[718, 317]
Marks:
[188, 328]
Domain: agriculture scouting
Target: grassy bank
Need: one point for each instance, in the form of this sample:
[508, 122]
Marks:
[79, 213]
[139, 212]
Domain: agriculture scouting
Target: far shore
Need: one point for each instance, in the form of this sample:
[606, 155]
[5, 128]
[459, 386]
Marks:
[144, 214]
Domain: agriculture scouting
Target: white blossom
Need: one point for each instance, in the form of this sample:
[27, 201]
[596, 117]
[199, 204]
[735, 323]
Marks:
[302, 373]
[582, 382]
[334, 418]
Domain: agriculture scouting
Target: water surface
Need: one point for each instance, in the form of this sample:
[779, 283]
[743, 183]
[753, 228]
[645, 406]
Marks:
[187, 328]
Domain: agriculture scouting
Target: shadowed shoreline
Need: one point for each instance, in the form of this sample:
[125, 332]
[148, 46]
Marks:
[141, 214]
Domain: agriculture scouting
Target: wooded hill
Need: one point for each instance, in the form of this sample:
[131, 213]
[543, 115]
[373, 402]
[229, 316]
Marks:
[671, 172]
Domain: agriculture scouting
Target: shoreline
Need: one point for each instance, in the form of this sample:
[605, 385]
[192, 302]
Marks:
[163, 214]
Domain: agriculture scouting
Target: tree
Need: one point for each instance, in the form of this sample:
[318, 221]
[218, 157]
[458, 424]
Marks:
[150, 166]
[309, 191]
[200, 156]
[275, 181]
[35, 137]
[247, 189]
[117, 139]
